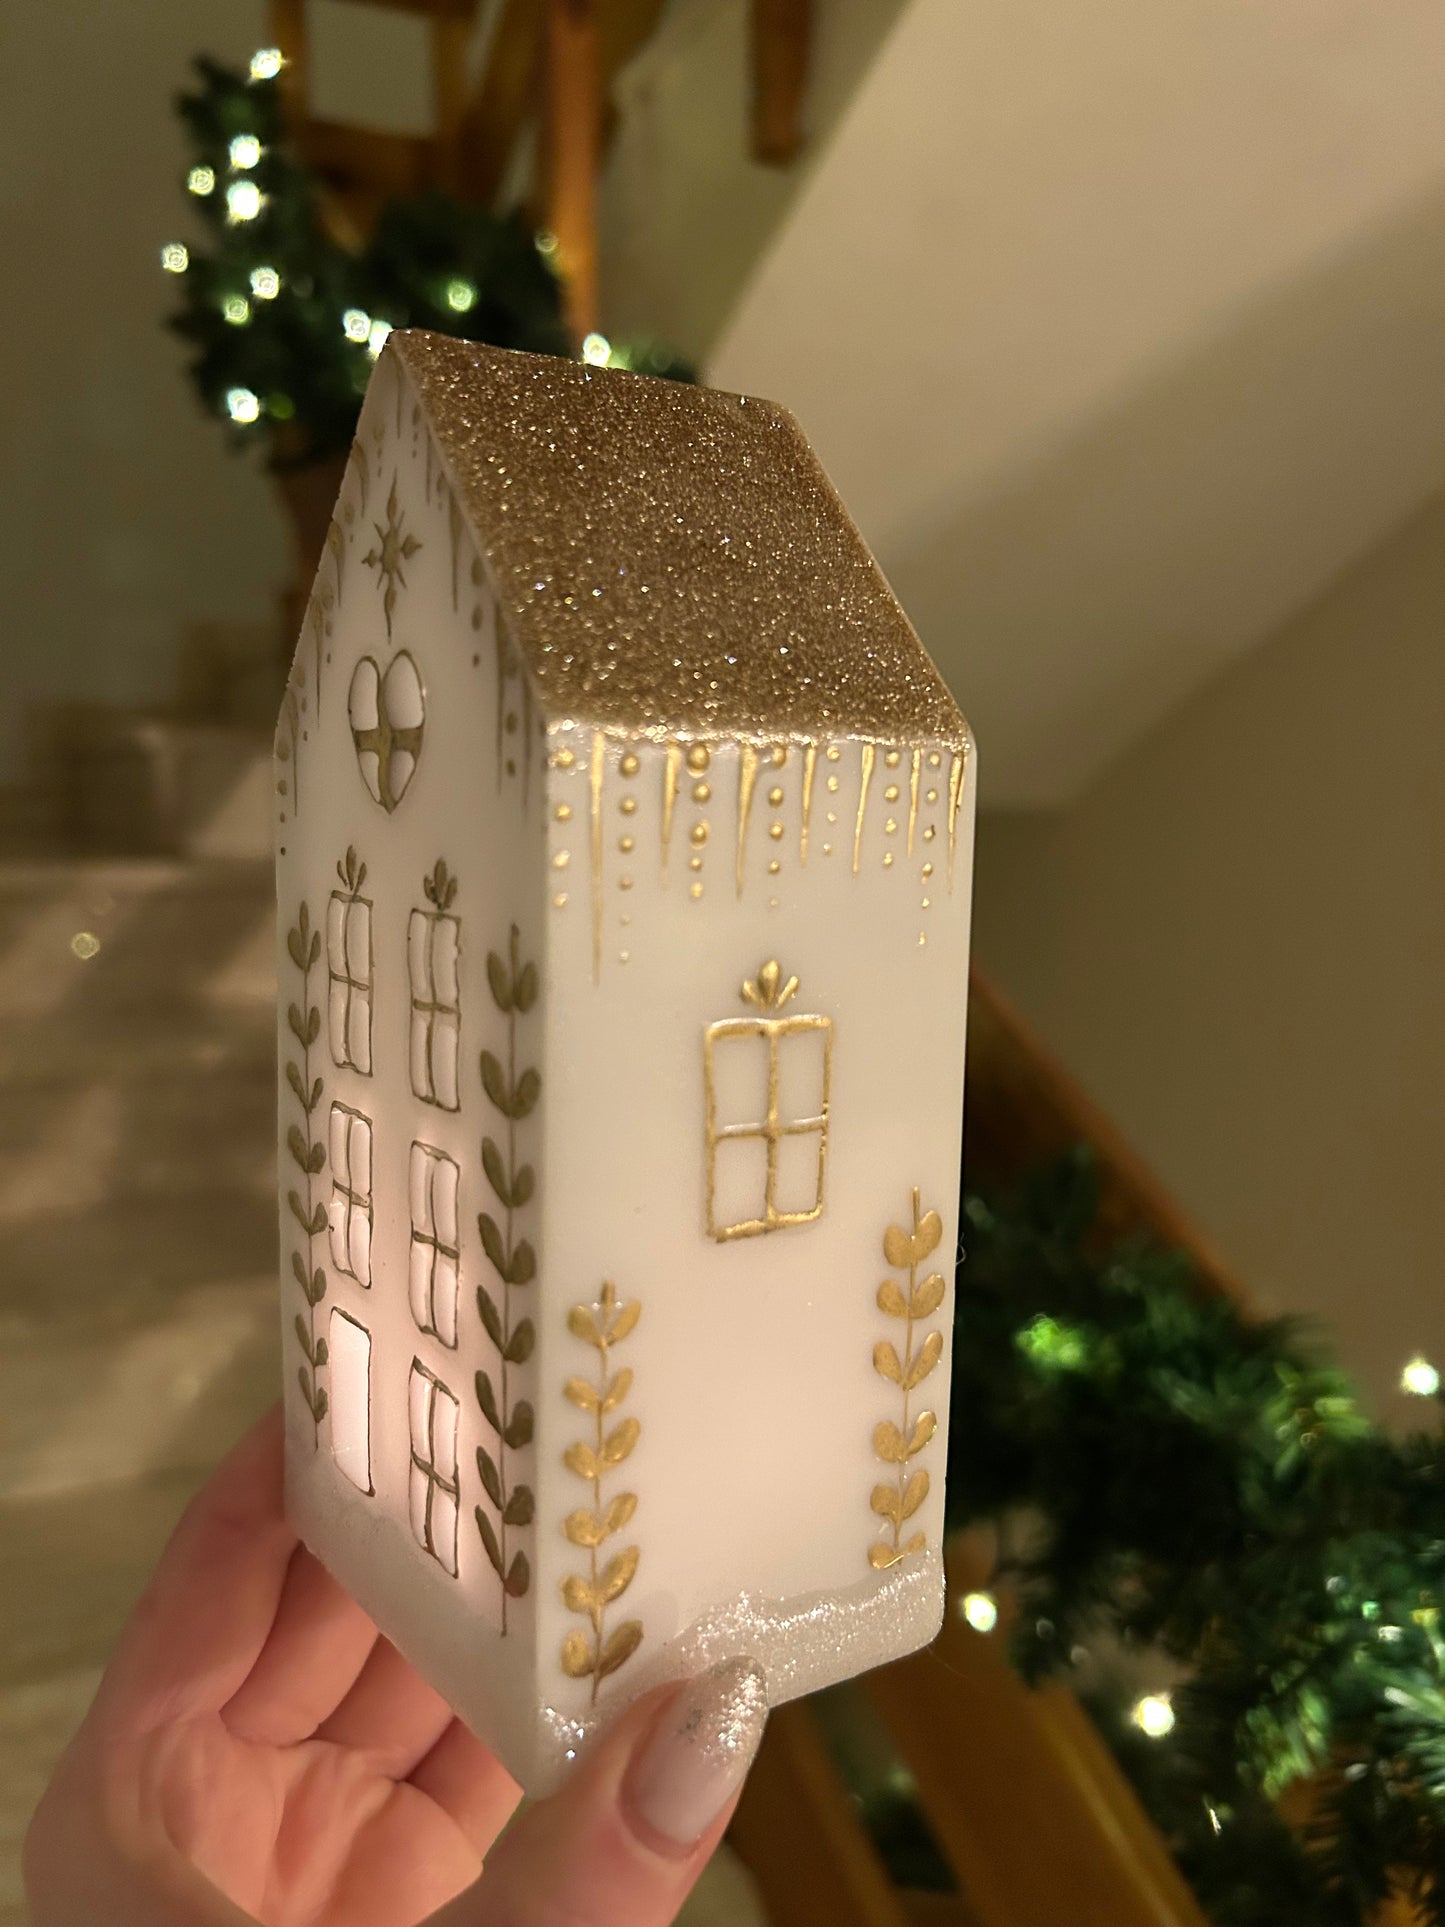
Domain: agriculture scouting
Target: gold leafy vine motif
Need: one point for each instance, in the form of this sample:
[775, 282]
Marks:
[303, 945]
[440, 888]
[514, 991]
[899, 1445]
[604, 1325]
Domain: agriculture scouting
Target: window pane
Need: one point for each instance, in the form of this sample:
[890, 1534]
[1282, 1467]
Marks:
[418, 1388]
[444, 1435]
[444, 1299]
[444, 1042]
[444, 1200]
[444, 960]
[359, 1039]
[795, 1190]
[419, 1483]
[420, 1074]
[358, 942]
[337, 998]
[740, 1078]
[340, 1161]
[360, 1229]
[361, 1156]
[349, 1346]
[419, 1285]
[800, 1075]
[444, 1528]
[336, 1215]
[335, 937]
[420, 1187]
[416, 956]
[740, 1177]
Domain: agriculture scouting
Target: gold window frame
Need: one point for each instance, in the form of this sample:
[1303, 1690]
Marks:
[436, 1247]
[774, 1031]
[425, 1463]
[426, 1009]
[356, 1201]
[346, 980]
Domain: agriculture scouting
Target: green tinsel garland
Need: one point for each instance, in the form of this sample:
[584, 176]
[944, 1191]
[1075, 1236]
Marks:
[268, 302]
[1208, 1489]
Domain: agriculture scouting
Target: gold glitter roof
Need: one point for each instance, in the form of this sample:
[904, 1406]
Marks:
[673, 559]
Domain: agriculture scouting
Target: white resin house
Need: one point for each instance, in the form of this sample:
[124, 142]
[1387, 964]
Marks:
[624, 848]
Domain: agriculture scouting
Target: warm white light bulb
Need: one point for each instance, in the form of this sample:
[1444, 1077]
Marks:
[237, 310]
[175, 257]
[265, 283]
[376, 337]
[243, 201]
[242, 405]
[266, 63]
[461, 294]
[1420, 1377]
[597, 349]
[980, 1609]
[201, 180]
[547, 243]
[357, 323]
[1154, 1715]
[245, 151]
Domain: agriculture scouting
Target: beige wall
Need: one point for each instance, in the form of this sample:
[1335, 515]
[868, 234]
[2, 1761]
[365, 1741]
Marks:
[1237, 941]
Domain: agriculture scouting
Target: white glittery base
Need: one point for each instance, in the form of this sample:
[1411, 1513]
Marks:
[802, 1644]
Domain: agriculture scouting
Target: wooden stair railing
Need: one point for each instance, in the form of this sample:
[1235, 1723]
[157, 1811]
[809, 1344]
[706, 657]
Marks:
[1026, 1803]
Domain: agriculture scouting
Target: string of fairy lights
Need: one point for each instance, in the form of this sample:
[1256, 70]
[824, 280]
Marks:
[286, 321]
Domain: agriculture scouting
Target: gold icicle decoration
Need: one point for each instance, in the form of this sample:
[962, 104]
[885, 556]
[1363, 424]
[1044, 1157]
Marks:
[869, 752]
[955, 797]
[671, 776]
[747, 777]
[913, 781]
[810, 758]
[599, 765]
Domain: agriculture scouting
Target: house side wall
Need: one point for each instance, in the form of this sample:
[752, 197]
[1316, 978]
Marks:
[471, 800]
[678, 872]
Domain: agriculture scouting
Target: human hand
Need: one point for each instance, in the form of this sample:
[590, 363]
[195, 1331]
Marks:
[257, 1752]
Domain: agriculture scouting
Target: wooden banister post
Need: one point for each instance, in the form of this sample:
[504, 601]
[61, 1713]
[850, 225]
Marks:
[781, 39]
[572, 132]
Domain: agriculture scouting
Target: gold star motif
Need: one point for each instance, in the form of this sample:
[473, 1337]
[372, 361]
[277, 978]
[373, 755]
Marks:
[395, 550]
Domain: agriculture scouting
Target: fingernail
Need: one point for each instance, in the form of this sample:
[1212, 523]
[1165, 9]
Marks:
[698, 1753]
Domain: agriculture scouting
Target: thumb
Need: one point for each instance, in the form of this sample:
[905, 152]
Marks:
[634, 1825]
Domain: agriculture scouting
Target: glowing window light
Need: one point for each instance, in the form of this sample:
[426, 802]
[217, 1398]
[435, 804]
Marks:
[1154, 1715]
[242, 405]
[265, 283]
[980, 1609]
[175, 257]
[597, 349]
[245, 151]
[376, 337]
[266, 63]
[357, 323]
[243, 201]
[1420, 1378]
[237, 310]
[201, 180]
[461, 294]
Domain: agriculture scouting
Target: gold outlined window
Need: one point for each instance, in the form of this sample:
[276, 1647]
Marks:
[350, 970]
[767, 1080]
[433, 945]
[434, 1483]
[434, 1248]
[350, 1210]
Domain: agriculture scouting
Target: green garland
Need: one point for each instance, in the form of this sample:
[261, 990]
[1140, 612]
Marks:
[285, 323]
[1206, 1488]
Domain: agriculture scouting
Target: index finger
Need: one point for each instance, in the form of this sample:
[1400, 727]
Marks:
[204, 1618]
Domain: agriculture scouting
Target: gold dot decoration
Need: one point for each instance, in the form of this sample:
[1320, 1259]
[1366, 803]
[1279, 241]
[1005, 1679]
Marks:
[927, 902]
[891, 826]
[702, 792]
[623, 956]
[774, 867]
[698, 758]
[928, 869]
[626, 844]
[891, 759]
[629, 764]
[833, 784]
[628, 805]
[564, 759]
[780, 755]
[624, 883]
[833, 752]
[698, 832]
[560, 898]
[887, 859]
[890, 795]
[929, 834]
[775, 830]
[933, 796]
[934, 759]
[832, 816]
[775, 797]
[561, 859]
[563, 812]
[695, 892]
[694, 863]
[827, 849]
